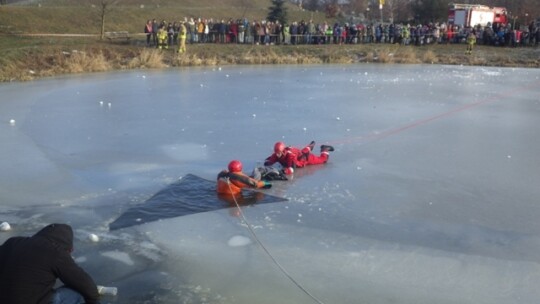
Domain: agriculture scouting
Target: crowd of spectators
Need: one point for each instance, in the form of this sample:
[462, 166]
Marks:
[264, 32]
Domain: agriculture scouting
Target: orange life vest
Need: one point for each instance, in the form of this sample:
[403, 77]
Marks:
[232, 183]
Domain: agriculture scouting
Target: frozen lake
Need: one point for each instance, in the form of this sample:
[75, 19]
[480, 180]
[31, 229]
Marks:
[430, 197]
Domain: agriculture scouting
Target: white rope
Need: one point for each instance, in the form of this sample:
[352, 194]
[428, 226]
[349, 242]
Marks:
[268, 252]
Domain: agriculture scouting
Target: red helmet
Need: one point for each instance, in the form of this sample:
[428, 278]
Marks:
[279, 147]
[235, 166]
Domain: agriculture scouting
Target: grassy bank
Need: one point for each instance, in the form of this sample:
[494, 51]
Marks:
[81, 17]
[27, 58]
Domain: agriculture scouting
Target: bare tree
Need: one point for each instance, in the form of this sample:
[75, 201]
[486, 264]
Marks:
[524, 11]
[104, 7]
[332, 8]
[399, 10]
[312, 5]
[245, 5]
[357, 6]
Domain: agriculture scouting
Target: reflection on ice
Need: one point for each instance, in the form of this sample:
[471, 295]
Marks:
[430, 197]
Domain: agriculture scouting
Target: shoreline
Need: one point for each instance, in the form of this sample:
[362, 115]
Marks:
[41, 57]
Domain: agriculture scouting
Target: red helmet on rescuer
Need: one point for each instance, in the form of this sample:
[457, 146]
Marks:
[235, 166]
[279, 147]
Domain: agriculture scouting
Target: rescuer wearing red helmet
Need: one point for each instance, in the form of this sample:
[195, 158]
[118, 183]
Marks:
[235, 166]
[291, 157]
[232, 181]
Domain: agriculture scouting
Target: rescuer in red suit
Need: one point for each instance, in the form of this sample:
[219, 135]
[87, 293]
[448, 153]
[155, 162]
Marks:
[291, 157]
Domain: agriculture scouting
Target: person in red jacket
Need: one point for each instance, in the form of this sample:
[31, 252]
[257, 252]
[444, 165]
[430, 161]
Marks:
[232, 181]
[291, 157]
[30, 266]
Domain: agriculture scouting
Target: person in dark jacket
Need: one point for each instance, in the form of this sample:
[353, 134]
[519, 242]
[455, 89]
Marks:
[29, 267]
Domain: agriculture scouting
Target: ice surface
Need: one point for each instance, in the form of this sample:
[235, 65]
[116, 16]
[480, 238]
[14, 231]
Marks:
[119, 256]
[430, 197]
[238, 241]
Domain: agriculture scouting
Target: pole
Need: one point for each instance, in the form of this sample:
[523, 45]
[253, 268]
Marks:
[367, 14]
[380, 9]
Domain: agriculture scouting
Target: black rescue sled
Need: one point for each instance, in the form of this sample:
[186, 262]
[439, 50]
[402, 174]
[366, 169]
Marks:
[189, 195]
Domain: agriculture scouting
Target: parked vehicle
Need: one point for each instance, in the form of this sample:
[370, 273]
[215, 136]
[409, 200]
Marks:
[474, 14]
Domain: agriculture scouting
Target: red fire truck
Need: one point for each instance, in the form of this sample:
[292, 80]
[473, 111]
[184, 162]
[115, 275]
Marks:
[474, 14]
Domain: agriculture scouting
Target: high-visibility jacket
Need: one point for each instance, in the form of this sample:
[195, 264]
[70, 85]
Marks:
[183, 31]
[162, 34]
[471, 39]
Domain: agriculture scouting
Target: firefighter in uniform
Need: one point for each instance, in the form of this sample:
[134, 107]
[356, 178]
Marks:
[471, 41]
[182, 35]
[162, 38]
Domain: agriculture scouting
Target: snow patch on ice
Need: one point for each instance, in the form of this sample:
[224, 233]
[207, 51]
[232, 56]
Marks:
[119, 256]
[81, 259]
[491, 73]
[5, 226]
[238, 241]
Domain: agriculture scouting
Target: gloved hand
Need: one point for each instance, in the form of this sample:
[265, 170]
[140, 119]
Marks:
[267, 185]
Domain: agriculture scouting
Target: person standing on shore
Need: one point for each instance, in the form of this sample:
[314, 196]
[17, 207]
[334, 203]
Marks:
[162, 38]
[182, 35]
[170, 34]
[200, 30]
[30, 266]
[155, 27]
[471, 41]
[148, 32]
